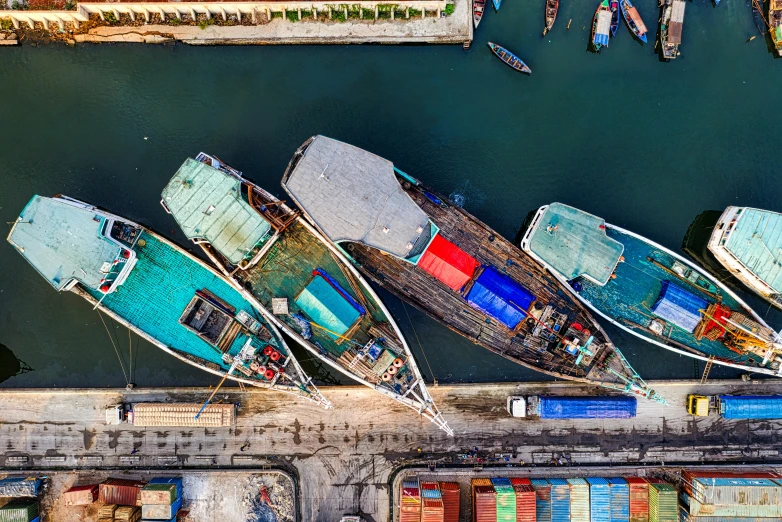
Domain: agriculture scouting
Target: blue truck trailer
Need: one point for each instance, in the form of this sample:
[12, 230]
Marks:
[548, 407]
[736, 406]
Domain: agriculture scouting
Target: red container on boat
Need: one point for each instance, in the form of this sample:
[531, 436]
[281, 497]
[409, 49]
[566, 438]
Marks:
[410, 502]
[432, 510]
[429, 485]
[639, 499]
[450, 495]
[484, 503]
[121, 492]
[525, 500]
[81, 495]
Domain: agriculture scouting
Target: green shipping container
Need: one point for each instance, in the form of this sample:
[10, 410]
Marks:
[158, 494]
[506, 503]
[663, 504]
[19, 511]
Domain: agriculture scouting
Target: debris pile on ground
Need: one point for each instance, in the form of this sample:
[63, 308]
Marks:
[269, 498]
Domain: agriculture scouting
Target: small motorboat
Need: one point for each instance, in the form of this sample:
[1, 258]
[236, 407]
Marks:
[552, 6]
[477, 11]
[601, 26]
[497, 4]
[509, 58]
[614, 16]
[633, 19]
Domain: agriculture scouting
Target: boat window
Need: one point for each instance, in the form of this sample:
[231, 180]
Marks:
[208, 317]
[125, 233]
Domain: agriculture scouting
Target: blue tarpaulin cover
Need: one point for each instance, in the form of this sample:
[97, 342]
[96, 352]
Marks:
[327, 307]
[679, 306]
[751, 407]
[621, 407]
[500, 297]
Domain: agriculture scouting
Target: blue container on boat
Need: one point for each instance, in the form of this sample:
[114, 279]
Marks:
[431, 493]
[542, 499]
[560, 500]
[600, 499]
[620, 500]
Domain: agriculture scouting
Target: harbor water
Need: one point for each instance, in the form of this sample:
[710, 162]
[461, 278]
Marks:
[645, 144]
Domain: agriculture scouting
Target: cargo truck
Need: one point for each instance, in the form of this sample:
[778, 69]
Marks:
[168, 414]
[547, 407]
[736, 406]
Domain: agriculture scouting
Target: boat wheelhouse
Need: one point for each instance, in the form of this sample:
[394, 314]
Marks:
[157, 290]
[748, 243]
[442, 260]
[282, 264]
[649, 291]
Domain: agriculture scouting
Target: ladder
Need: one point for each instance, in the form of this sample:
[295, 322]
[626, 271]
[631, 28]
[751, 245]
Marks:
[707, 369]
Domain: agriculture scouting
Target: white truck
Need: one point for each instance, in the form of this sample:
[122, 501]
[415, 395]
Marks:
[172, 414]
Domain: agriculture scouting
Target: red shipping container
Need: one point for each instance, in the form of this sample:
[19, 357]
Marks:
[450, 494]
[520, 482]
[484, 504]
[429, 485]
[639, 499]
[410, 505]
[121, 492]
[432, 510]
[526, 510]
[81, 495]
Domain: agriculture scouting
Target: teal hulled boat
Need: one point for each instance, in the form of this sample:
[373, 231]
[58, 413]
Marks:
[281, 263]
[649, 291]
[158, 291]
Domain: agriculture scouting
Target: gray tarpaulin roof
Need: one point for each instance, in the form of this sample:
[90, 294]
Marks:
[62, 242]
[207, 204]
[353, 195]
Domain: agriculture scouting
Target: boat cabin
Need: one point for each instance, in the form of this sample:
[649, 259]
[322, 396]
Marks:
[70, 242]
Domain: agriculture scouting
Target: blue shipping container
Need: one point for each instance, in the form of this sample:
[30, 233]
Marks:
[751, 406]
[542, 499]
[620, 500]
[172, 480]
[431, 493]
[560, 500]
[600, 499]
[621, 407]
[501, 481]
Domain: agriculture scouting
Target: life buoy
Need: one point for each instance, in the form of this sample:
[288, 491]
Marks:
[398, 363]
[391, 370]
[261, 369]
[386, 377]
[268, 350]
[269, 375]
[275, 356]
[105, 288]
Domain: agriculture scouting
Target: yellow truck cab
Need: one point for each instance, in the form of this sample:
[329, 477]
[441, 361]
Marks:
[698, 405]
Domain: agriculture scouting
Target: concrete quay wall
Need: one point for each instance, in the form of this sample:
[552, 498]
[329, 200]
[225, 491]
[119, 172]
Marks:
[254, 22]
[345, 457]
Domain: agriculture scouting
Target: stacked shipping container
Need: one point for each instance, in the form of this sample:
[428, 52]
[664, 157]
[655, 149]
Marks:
[579, 500]
[542, 499]
[20, 510]
[484, 501]
[600, 499]
[20, 487]
[560, 500]
[639, 499]
[506, 499]
[121, 492]
[619, 493]
[410, 510]
[81, 495]
[663, 503]
[525, 499]
[450, 495]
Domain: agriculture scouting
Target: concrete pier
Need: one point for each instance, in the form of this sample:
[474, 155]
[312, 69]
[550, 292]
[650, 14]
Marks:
[344, 457]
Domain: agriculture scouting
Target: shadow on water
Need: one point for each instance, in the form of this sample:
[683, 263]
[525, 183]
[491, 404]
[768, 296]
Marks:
[10, 365]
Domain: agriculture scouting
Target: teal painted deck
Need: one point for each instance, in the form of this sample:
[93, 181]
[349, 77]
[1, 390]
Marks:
[757, 243]
[159, 289]
[635, 289]
[575, 243]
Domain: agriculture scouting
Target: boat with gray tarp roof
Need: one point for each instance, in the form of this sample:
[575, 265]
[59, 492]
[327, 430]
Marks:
[157, 290]
[282, 264]
[437, 257]
[650, 291]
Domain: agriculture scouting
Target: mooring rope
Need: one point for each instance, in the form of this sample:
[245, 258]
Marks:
[434, 379]
[116, 350]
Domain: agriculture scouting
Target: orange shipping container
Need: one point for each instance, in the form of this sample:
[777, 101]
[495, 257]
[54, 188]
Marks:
[81, 495]
[450, 495]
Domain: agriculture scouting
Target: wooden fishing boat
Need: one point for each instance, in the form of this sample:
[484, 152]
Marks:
[650, 291]
[601, 26]
[497, 4]
[775, 24]
[671, 25]
[157, 290]
[437, 257]
[509, 58]
[633, 19]
[281, 263]
[552, 7]
[478, 7]
[614, 4]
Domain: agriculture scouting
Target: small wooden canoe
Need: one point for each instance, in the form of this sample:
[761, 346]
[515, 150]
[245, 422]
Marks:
[552, 6]
[601, 26]
[509, 58]
[633, 20]
[614, 16]
[477, 11]
[497, 4]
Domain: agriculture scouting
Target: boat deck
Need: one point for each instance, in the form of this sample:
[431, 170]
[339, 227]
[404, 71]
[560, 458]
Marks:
[630, 296]
[756, 241]
[288, 268]
[158, 290]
